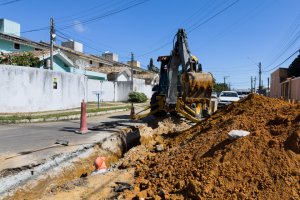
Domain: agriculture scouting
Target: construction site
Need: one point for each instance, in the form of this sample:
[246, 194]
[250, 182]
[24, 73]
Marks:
[172, 158]
[83, 125]
[185, 144]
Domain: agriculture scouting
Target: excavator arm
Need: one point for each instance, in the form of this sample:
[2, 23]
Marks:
[193, 99]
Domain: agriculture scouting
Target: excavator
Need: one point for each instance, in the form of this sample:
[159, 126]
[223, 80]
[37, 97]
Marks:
[183, 88]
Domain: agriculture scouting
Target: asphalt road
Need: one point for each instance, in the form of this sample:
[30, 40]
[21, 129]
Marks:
[16, 138]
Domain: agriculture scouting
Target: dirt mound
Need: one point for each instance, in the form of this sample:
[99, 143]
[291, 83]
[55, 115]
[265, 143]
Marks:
[202, 162]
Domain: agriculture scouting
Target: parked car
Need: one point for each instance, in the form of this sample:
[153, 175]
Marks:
[214, 95]
[243, 94]
[227, 97]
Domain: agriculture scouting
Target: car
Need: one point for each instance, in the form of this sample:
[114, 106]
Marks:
[243, 94]
[214, 95]
[227, 97]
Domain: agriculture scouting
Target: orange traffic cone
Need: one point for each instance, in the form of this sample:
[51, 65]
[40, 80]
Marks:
[83, 125]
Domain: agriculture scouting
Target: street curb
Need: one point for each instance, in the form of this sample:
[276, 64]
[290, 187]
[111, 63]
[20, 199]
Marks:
[62, 118]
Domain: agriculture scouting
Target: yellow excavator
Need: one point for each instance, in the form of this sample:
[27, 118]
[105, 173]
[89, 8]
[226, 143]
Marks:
[183, 88]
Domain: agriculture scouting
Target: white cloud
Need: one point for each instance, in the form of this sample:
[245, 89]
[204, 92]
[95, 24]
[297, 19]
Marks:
[78, 26]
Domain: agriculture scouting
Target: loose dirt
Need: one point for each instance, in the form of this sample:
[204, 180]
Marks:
[202, 162]
[177, 161]
[76, 182]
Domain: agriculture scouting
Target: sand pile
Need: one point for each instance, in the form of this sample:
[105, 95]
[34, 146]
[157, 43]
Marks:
[203, 163]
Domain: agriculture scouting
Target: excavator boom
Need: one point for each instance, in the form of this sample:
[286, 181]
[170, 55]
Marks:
[183, 87]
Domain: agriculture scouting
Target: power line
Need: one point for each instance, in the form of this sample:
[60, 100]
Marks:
[196, 27]
[104, 15]
[291, 38]
[298, 51]
[113, 12]
[213, 16]
[85, 12]
[3, 3]
[67, 37]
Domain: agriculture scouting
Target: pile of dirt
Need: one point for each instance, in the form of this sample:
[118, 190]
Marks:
[202, 162]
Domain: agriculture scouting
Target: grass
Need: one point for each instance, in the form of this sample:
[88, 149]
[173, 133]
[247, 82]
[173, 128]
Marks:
[15, 118]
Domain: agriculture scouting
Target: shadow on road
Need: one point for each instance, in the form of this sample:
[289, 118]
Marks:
[120, 117]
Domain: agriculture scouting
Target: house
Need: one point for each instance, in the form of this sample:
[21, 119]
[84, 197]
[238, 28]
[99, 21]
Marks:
[10, 40]
[150, 78]
[277, 77]
[283, 86]
[69, 56]
[114, 73]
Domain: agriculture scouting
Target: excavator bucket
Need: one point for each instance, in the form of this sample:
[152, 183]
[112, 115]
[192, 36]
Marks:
[197, 87]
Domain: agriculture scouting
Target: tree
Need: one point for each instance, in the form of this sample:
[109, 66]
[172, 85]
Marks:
[152, 67]
[294, 68]
[219, 87]
[24, 59]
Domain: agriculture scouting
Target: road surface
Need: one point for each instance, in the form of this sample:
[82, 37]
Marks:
[16, 138]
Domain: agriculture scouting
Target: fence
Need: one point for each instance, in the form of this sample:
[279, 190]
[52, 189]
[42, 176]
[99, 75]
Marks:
[25, 89]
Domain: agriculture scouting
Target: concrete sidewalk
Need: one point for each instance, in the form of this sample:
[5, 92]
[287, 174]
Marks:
[70, 114]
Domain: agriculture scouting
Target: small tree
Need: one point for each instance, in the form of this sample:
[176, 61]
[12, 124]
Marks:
[137, 97]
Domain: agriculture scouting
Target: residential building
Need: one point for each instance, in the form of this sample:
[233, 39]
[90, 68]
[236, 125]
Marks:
[277, 77]
[283, 86]
[68, 57]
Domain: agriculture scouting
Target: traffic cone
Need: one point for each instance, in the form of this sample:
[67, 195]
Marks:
[83, 125]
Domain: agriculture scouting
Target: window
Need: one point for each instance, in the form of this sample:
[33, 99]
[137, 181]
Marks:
[16, 46]
[229, 94]
[100, 64]
[91, 62]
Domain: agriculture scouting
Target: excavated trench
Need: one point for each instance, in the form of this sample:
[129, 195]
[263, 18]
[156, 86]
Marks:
[35, 182]
[62, 178]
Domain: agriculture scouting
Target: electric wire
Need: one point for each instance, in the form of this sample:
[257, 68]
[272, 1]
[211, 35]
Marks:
[113, 12]
[3, 3]
[213, 16]
[194, 27]
[292, 35]
[298, 51]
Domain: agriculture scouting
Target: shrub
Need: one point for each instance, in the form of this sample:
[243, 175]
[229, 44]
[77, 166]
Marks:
[137, 97]
[22, 59]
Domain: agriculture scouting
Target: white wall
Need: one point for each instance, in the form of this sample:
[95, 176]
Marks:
[105, 88]
[25, 89]
[140, 86]
[116, 91]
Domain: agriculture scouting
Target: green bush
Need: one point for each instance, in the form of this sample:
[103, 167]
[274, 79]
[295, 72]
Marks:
[137, 97]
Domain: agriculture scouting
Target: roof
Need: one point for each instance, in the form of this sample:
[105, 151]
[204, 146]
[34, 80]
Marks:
[23, 41]
[108, 70]
[148, 75]
[45, 46]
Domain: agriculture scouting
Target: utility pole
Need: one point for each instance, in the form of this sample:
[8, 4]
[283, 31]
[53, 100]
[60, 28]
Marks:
[132, 59]
[254, 84]
[251, 85]
[259, 78]
[52, 39]
[225, 82]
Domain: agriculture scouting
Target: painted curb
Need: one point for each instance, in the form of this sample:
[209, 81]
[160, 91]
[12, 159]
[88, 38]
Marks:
[62, 118]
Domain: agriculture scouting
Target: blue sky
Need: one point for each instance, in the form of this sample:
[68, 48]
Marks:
[227, 44]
